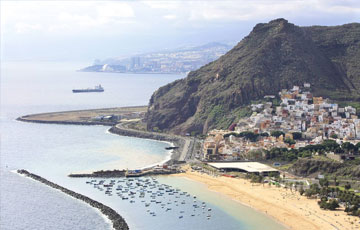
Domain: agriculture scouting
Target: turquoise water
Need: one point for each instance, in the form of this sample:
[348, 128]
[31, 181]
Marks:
[54, 151]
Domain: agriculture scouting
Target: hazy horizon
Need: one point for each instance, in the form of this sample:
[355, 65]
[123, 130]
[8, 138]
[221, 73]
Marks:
[85, 31]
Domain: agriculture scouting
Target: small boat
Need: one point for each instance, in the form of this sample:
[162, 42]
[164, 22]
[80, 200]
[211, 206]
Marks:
[170, 148]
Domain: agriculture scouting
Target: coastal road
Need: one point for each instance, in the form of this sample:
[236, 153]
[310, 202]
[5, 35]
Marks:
[185, 149]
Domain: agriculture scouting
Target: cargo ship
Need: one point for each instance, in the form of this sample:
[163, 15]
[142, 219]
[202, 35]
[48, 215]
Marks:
[97, 88]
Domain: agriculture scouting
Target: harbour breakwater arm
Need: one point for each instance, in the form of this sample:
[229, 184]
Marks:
[118, 222]
[88, 117]
[179, 154]
[25, 119]
[106, 116]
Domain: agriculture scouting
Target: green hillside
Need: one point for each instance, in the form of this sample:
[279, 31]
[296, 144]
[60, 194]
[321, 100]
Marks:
[274, 56]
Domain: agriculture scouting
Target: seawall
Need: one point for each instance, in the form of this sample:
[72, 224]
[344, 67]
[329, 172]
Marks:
[176, 140]
[25, 119]
[101, 174]
[118, 222]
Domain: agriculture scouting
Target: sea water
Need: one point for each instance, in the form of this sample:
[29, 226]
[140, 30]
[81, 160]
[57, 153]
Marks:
[54, 151]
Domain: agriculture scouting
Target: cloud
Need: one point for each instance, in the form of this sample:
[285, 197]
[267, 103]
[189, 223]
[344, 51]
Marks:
[243, 10]
[86, 26]
[50, 16]
[169, 5]
[25, 27]
[170, 16]
[71, 16]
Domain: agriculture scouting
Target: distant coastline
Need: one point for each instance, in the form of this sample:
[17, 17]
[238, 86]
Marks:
[129, 72]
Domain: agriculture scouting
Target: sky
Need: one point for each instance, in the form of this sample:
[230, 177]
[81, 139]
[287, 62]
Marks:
[87, 30]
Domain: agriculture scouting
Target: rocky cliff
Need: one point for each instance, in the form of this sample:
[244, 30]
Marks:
[274, 56]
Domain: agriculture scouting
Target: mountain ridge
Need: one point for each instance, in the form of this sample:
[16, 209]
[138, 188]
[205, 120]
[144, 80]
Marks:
[274, 56]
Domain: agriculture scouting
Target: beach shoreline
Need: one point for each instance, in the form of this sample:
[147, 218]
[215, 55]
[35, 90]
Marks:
[284, 206]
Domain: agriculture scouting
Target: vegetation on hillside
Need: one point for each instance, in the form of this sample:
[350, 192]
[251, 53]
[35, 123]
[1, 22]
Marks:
[274, 56]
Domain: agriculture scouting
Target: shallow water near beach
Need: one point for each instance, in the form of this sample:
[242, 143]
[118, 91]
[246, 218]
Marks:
[54, 151]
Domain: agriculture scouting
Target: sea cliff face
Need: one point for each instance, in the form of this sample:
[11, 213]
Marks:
[274, 56]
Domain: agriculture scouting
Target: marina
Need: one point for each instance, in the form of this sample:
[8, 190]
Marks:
[155, 198]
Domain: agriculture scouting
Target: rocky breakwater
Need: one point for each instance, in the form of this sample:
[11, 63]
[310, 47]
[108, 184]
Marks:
[179, 154]
[101, 174]
[118, 222]
[28, 118]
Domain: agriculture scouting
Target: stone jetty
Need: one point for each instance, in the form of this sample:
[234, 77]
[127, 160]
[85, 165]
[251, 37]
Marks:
[152, 171]
[102, 174]
[118, 222]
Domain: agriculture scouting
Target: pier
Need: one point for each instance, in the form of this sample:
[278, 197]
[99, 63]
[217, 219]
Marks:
[151, 171]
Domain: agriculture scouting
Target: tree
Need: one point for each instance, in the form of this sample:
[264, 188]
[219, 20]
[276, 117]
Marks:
[324, 182]
[257, 178]
[289, 141]
[349, 147]
[264, 134]
[274, 174]
[336, 182]
[331, 205]
[249, 135]
[301, 191]
[297, 135]
[277, 133]
[334, 135]
[315, 188]
[329, 145]
[358, 146]
[256, 154]
[347, 186]
[229, 134]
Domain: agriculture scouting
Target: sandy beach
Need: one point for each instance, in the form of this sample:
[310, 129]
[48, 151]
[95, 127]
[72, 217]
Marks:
[285, 206]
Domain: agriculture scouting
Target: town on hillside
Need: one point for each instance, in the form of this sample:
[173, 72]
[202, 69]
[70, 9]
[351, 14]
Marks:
[294, 120]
